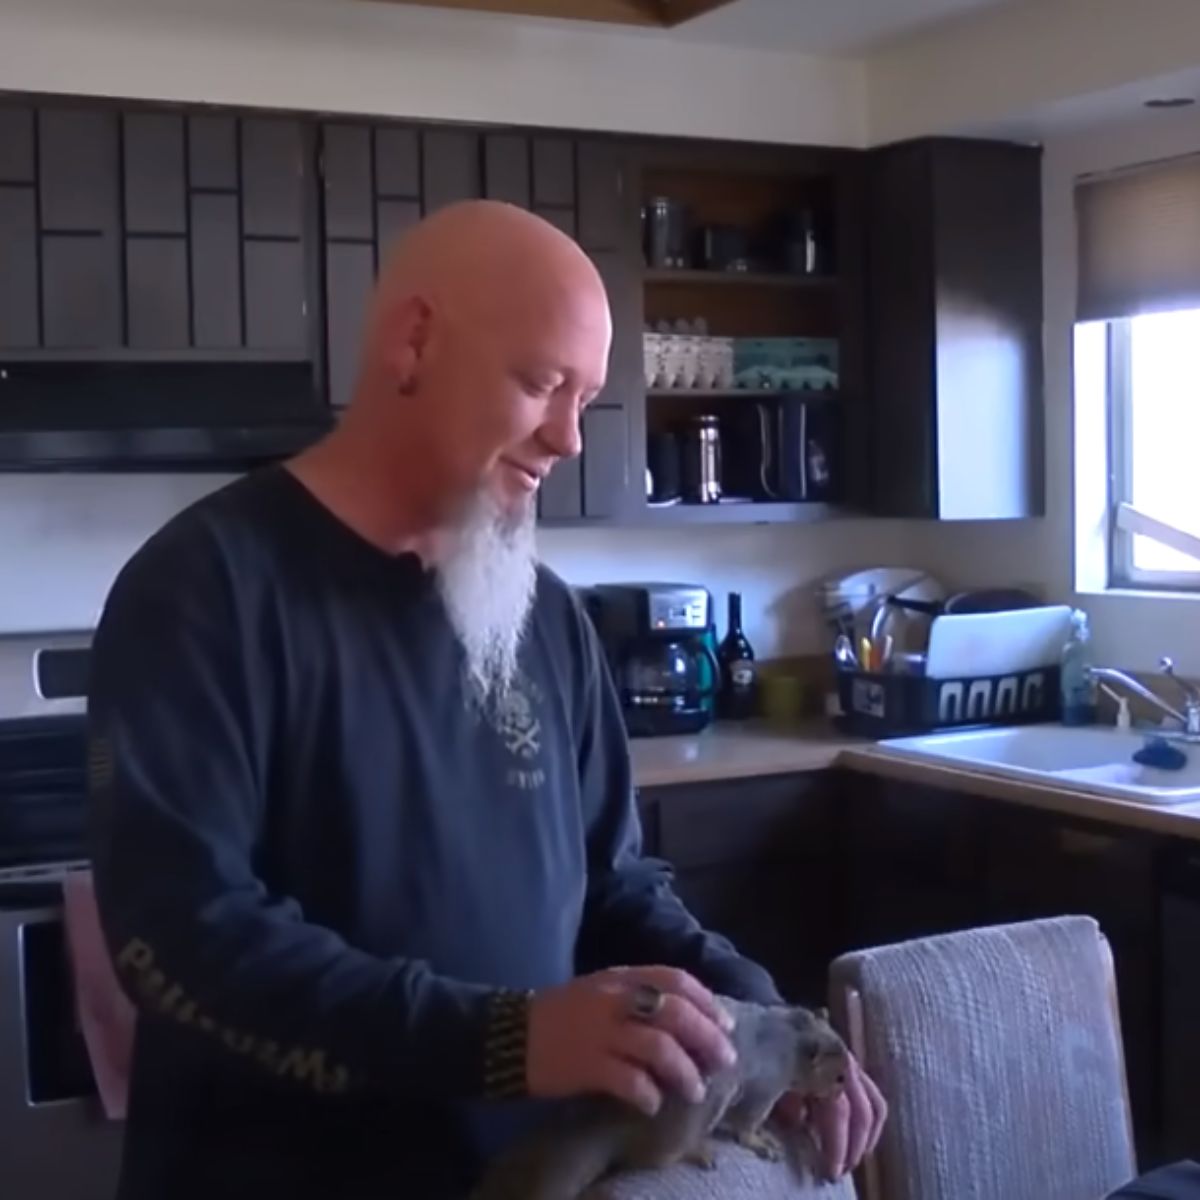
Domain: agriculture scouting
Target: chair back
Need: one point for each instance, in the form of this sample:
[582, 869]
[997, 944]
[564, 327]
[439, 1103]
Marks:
[999, 1052]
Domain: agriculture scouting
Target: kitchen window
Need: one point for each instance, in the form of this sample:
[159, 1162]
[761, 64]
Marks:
[1154, 450]
[1139, 309]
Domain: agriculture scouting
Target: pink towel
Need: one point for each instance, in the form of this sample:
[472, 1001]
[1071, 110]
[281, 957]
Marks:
[105, 1015]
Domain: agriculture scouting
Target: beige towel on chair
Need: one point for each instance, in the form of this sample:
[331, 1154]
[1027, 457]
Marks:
[106, 1016]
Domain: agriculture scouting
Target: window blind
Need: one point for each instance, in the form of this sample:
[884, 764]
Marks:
[1139, 240]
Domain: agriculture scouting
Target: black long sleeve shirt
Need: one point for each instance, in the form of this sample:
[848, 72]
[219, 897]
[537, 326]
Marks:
[317, 861]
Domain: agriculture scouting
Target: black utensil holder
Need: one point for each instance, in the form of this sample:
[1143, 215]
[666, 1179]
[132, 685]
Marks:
[883, 705]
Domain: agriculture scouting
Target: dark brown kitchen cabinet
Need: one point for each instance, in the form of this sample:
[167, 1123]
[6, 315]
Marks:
[273, 162]
[18, 229]
[161, 232]
[155, 174]
[77, 188]
[216, 273]
[450, 164]
[19, 275]
[1179, 1001]
[156, 280]
[1042, 865]
[955, 329]
[506, 169]
[913, 861]
[16, 144]
[753, 860]
[606, 482]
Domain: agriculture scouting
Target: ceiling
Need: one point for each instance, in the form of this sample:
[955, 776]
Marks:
[822, 26]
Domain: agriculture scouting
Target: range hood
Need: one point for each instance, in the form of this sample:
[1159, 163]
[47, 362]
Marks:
[156, 416]
[663, 14]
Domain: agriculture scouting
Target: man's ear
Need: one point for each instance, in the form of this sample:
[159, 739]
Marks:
[405, 340]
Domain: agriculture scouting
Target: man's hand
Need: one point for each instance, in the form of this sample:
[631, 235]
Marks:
[583, 1037]
[847, 1128]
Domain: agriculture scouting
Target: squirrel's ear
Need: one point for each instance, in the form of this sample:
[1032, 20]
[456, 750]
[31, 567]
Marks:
[822, 1014]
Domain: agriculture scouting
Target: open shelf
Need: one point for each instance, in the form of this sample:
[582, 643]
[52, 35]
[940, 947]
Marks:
[736, 394]
[770, 279]
[754, 513]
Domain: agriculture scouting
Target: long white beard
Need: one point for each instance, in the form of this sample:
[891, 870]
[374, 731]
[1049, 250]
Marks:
[487, 583]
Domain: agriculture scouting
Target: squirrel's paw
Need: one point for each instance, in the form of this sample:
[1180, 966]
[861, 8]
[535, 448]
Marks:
[765, 1145]
[703, 1156]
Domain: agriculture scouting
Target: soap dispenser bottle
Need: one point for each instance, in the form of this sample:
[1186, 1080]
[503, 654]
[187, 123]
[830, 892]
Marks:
[1077, 689]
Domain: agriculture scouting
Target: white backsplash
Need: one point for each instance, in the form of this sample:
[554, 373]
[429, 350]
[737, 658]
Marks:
[63, 538]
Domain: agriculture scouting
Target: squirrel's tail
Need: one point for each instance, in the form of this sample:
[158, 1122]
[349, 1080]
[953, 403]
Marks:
[556, 1164]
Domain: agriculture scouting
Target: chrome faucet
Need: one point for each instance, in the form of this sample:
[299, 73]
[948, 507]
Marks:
[1188, 717]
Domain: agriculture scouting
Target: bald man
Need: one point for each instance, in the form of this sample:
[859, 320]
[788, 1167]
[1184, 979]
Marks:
[364, 839]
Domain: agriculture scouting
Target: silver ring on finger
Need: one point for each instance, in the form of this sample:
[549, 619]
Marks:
[645, 1002]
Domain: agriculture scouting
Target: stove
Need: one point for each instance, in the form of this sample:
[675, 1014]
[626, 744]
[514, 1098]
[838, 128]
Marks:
[55, 1143]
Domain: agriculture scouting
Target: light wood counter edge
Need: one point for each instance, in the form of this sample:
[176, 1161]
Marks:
[728, 754]
[757, 753]
[1176, 820]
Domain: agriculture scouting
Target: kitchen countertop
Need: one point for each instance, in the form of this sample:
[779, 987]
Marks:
[1175, 820]
[743, 752]
[727, 751]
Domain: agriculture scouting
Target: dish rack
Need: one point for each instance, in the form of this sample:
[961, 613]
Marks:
[892, 704]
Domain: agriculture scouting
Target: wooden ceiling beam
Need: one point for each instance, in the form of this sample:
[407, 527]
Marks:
[651, 13]
[676, 12]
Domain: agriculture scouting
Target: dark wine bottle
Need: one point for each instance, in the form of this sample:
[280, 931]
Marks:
[738, 695]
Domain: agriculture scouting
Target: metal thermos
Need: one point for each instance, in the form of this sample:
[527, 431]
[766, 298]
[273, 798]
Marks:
[666, 232]
[702, 460]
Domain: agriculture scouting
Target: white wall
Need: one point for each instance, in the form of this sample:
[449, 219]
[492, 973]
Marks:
[64, 537]
[1002, 62]
[347, 56]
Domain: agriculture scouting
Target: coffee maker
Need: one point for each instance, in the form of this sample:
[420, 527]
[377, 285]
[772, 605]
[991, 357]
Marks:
[658, 639]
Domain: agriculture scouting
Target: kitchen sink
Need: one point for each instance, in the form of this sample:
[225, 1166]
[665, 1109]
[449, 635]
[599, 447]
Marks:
[1090, 759]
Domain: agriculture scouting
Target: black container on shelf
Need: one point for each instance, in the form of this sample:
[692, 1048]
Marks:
[893, 704]
[666, 232]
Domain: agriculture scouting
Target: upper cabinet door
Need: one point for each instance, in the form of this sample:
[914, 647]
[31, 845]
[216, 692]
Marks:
[608, 211]
[19, 287]
[158, 306]
[451, 159]
[955, 329]
[78, 170]
[273, 169]
[155, 232]
[506, 169]
[155, 173]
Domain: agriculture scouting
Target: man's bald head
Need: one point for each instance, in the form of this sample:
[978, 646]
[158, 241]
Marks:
[483, 258]
[487, 334]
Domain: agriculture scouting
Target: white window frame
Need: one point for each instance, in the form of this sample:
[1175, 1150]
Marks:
[1124, 519]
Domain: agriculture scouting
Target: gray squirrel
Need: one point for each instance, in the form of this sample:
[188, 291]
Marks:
[779, 1049]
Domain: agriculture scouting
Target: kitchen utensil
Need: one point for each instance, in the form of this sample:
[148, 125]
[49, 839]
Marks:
[702, 460]
[984, 600]
[722, 248]
[664, 465]
[843, 653]
[849, 598]
[974, 645]
[666, 232]
[866, 654]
